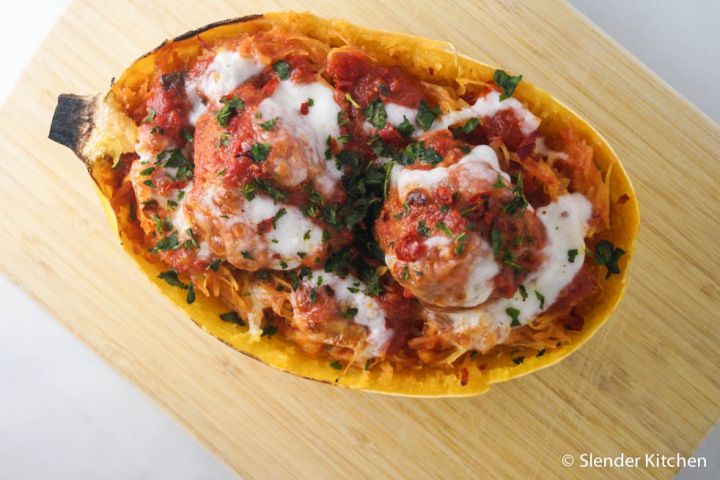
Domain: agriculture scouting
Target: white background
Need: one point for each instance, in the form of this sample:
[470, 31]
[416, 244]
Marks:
[64, 414]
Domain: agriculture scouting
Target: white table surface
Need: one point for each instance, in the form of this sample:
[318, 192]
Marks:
[65, 414]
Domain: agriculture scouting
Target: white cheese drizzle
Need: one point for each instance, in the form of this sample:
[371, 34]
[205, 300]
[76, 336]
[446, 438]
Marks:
[226, 72]
[488, 106]
[313, 129]
[349, 293]
[565, 222]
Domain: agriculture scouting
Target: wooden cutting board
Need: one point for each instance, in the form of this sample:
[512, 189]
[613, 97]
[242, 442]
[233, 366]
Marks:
[649, 382]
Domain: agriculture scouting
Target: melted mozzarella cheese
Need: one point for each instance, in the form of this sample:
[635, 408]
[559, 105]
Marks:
[479, 284]
[287, 238]
[313, 129]
[565, 222]
[349, 294]
[487, 106]
[480, 164]
[226, 72]
[396, 114]
[197, 106]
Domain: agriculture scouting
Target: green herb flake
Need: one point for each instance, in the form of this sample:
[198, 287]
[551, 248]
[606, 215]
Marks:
[445, 229]
[282, 68]
[495, 241]
[171, 277]
[375, 114]
[607, 254]
[259, 152]
[523, 292]
[187, 135]
[507, 82]
[280, 213]
[149, 183]
[147, 171]
[426, 115]
[247, 255]
[269, 330]
[229, 109]
[167, 243]
[215, 265]
[513, 313]
[190, 298]
[150, 116]
[336, 365]
[541, 299]
[405, 128]
[269, 125]
[572, 254]
[232, 317]
[313, 295]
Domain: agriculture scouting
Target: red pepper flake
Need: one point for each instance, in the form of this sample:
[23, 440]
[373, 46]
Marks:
[305, 108]
[431, 71]
[264, 227]
[464, 375]
[623, 198]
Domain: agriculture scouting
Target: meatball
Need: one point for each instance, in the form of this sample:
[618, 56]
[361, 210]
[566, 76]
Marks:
[451, 235]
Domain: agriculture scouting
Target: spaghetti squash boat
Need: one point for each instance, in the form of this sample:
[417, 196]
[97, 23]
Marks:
[359, 207]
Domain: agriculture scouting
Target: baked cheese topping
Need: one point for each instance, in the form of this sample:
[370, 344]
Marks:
[392, 221]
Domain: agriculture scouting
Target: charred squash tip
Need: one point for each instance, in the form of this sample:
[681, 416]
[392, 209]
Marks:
[72, 121]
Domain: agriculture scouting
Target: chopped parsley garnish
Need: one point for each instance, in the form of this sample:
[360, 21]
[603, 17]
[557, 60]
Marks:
[523, 292]
[418, 152]
[495, 241]
[375, 114]
[247, 255]
[506, 82]
[519, 203]
[469, 126]
[344, 138]
[191, 242]
[149, 183]
[232, 317]
[150, 116]
[306, 236]
[608, 255]
[426, 115]
[513, 313]
[167, 243]
[190, 297]
[405, 129]
[282, 68]
[171, 277]
[368, 363]
[187, 135]
[185, 169]
[499, 183]
[214, 265]
[342, 119]
[572, 254]
[541, 299]
[444, 228]
[292, 278]
[405, 273]
[313, 295]
[278, 216]
[461, 240]
[423, 229]
[147, 171]
[259, 152]
[268, 125]
[230, 108]
[157, 130]
[249, 190]
[336, 365]
[269, 330]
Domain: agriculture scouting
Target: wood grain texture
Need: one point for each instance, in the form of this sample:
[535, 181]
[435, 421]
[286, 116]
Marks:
[648, 382]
